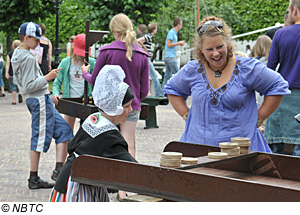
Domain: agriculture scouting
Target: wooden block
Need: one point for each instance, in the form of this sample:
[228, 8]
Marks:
[244, 150]
[244, 144]
[230, 152]
[217, 155]
[170, 165]
[177, 155]
[189, 160]
[244, 140]
[228, 145]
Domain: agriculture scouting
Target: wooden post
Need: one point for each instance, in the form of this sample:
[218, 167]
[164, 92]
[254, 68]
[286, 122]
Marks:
[87, 29]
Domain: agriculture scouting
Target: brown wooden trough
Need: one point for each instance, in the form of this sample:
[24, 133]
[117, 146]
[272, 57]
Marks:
[253, 177]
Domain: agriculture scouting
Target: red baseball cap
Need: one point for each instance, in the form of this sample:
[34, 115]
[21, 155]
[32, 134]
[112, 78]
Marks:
[79, 45]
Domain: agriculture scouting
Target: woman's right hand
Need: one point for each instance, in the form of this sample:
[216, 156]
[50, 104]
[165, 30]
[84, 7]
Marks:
[56, 99]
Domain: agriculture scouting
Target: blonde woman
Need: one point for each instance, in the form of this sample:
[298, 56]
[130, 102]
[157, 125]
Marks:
[261, 49]
[125, 52]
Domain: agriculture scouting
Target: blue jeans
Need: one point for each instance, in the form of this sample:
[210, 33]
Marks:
[279, 148]
[171, 68]
[155, 81]
[1, 79]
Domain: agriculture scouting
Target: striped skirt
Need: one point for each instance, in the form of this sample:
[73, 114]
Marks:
[77, 192]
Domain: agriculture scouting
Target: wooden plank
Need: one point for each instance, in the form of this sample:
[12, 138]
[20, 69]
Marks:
[175, 184]
[73, 107]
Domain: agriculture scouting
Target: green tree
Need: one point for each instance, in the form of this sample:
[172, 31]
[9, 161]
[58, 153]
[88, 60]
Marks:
[72, 16]
[15, 12]
[74, 13]
[256, 14]
[186, 10]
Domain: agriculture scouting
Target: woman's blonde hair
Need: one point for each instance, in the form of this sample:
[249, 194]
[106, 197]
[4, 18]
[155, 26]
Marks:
[72, 54]
[212, 32]
[261, 47]
[122, 25]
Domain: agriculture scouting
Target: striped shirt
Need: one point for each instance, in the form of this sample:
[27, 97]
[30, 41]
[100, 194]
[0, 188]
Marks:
[148, 43]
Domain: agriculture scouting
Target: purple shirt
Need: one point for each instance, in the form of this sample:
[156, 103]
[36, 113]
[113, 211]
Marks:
[136, 71]
[216, 115]
[285, 49]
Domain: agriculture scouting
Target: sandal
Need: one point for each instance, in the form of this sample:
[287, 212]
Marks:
[13, 103]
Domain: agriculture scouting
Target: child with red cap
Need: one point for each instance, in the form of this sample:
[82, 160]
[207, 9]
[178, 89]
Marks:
[70, 75]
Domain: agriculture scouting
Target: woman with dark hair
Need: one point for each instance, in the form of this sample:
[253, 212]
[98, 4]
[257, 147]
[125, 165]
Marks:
[47, 51]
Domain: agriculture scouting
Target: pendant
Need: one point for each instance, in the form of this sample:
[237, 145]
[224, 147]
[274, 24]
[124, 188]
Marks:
[218, 73]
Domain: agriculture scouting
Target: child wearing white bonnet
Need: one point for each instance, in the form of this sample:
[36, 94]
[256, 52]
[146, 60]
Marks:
[110, 90]
[98, 136]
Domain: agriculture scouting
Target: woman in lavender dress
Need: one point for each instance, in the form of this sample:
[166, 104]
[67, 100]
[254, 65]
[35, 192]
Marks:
[223, 88]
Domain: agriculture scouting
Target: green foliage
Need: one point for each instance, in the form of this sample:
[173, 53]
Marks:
[241, 16]
[139, 11]
[226, 11]
[256, 14]
[72, 16]
[74, 13]
[62, 55]
[186, 10]
[165, 16]
[15, 12]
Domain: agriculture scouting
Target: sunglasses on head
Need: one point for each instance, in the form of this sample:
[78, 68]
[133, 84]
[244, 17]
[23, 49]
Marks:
[217, 24]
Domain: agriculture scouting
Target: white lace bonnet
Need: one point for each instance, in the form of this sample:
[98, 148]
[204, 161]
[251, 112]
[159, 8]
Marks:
[109, 90]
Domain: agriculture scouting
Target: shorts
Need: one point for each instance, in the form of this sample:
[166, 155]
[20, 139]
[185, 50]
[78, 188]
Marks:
[281, 126]
[46, 124]
[134, 116]
[12, 86]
